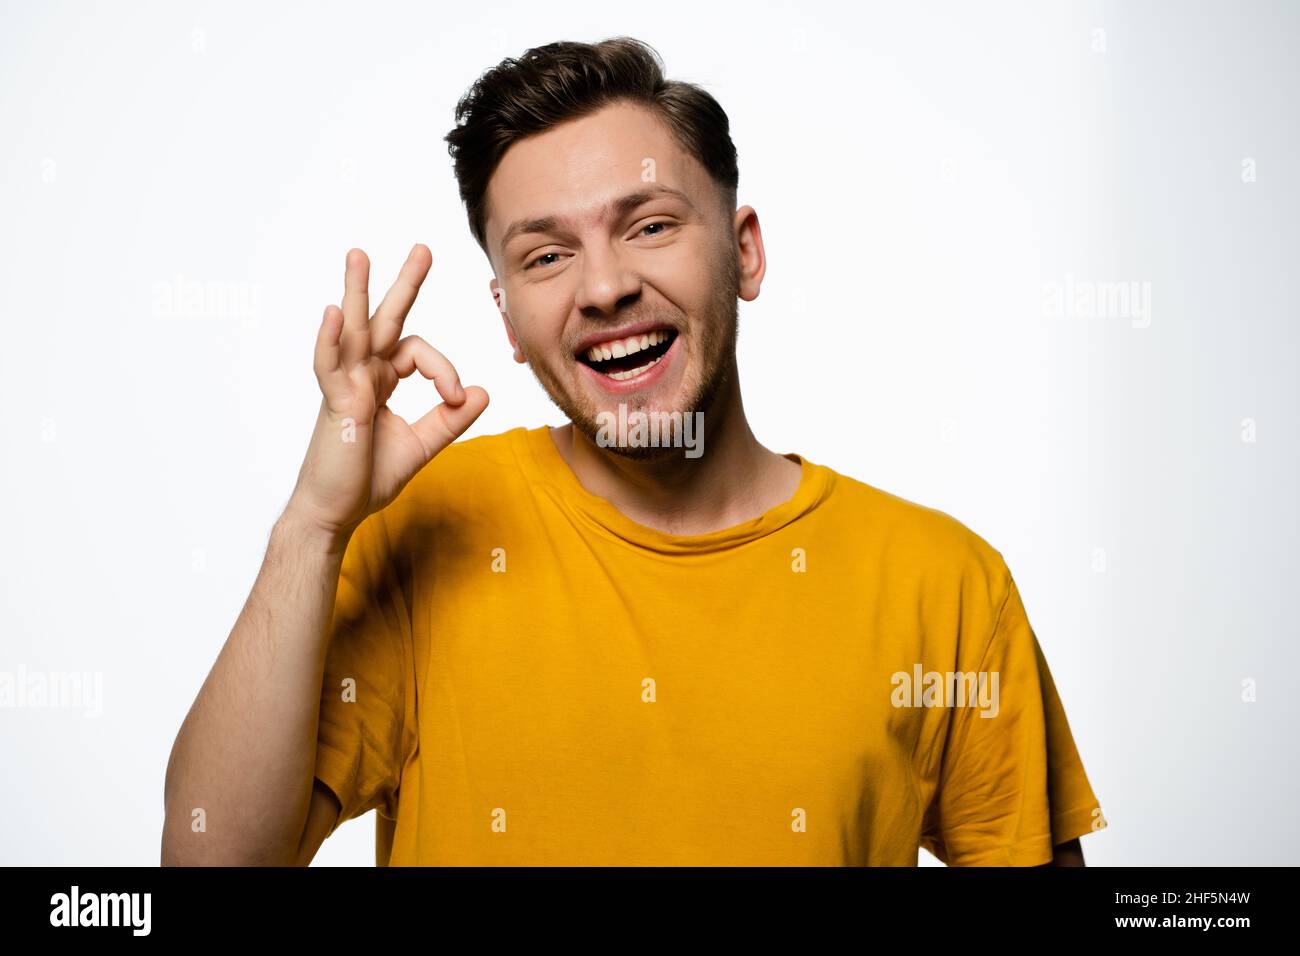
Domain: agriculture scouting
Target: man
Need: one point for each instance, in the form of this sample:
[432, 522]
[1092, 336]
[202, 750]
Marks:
[582, 646]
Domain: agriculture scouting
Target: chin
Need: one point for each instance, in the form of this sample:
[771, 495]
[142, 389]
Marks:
[647, 453]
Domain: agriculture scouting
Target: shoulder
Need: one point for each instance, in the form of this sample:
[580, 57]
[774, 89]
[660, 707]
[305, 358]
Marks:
[920, 541]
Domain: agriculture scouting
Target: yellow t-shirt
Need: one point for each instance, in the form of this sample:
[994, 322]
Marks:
[519, 674]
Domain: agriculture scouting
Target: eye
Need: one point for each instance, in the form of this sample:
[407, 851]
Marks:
[651, 225]
[540, 258]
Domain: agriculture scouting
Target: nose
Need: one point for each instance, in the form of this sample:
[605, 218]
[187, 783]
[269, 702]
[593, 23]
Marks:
[606, 284]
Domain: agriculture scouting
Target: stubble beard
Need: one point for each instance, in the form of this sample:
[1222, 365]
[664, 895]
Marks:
[716, 334]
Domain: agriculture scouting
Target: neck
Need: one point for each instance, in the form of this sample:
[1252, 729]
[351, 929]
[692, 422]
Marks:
[735, 480]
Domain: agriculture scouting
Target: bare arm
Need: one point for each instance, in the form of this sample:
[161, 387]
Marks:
[244, 759]
[245, 755]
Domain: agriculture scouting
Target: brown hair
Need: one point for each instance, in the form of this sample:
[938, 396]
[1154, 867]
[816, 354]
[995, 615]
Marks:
[562, 81]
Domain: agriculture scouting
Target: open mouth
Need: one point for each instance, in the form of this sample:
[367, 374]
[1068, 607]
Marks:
[627, 358]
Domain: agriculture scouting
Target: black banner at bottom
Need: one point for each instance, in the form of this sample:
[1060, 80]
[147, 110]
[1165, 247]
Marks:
[926, 904]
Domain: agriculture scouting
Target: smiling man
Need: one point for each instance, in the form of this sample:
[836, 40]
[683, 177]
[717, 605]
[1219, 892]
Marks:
[618, 260]
[578, 646]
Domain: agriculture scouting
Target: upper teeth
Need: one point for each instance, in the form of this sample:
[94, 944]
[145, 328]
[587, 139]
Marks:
[622, 347]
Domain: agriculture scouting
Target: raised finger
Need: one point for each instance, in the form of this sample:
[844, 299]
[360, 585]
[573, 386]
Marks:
[386, 325]
[326, 359]
[356, 309]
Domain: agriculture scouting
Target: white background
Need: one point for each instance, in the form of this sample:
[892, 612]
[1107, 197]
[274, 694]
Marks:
[922, 173]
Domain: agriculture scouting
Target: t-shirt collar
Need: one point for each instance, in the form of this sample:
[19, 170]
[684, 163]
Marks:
[543, 458]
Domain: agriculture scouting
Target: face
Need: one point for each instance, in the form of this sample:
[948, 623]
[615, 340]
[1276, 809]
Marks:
[618, 269]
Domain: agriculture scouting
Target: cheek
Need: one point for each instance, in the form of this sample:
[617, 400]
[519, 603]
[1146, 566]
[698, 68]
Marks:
[537, 324]
[685, 277]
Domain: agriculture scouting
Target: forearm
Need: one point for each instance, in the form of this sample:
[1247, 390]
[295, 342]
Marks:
[245, 754]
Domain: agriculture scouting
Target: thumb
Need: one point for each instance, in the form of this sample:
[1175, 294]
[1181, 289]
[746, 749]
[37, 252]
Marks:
[442, 425]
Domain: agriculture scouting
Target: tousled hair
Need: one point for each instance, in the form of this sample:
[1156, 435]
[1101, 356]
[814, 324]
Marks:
[562, 81]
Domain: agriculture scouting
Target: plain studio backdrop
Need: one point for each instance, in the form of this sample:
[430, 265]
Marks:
[1030, 264]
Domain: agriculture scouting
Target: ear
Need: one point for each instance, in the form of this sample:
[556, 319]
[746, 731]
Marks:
[751, 257]
[499, 297]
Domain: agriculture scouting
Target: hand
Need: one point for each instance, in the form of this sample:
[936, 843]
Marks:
[361, 454]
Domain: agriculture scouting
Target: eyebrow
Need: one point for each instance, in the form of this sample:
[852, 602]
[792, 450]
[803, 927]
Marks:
[614, 209]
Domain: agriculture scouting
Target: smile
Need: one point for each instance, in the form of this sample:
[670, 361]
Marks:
[627, 358]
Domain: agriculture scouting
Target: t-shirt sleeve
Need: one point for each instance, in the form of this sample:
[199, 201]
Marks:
[367, 722]
[1012, 784]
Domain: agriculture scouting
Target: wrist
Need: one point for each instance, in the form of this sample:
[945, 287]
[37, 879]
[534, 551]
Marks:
[300, 529]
